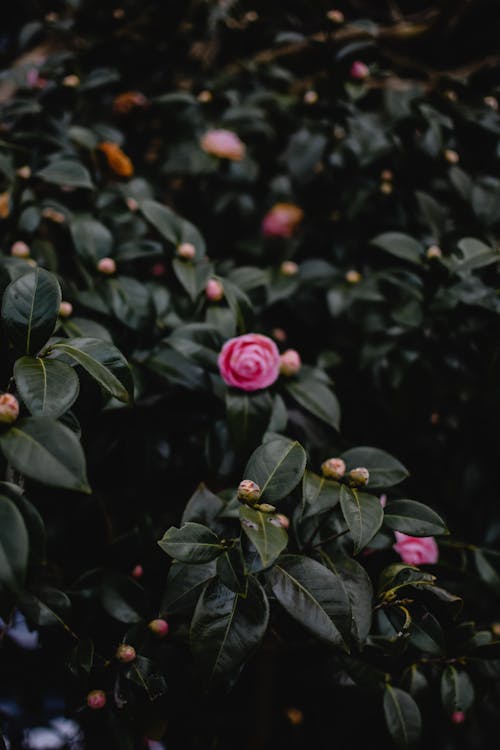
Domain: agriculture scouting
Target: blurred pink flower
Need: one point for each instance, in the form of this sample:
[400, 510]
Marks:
[249, 362]
[416, 550]
[282, 220]
[223, 143]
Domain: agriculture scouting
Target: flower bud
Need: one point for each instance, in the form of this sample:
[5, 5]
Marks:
[358, 477]
[333, 468]
[137, 572]
[353, 277]
[359, 70]
[106, 266]
[24, 172]
[386, 188]
[9, 408]
[159, 627]
[386, 175]
[132, 204]
[125, 653]
[65, 309]
[96, 699]
[383, 500]
[280, 520]
[451, 156]
[71, 81]
[335, 16]
[265, 508]
[279, 334]
[295, 716]
[248, 492]
[205, 96]
[434, 252]
[159, 269]
[186, 251]
[311, 97]
[290, 363]
[491, 102]
[20, 250]
[289, 268]
[458, 717]
[214, 290]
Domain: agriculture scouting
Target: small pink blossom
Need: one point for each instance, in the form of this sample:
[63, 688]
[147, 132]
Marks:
[458, 717]
[214, 291]
[282, 220]
[249, 362]
[359, 70]
[416, 550]
[223, 143]
[290, 362]
[96, 699]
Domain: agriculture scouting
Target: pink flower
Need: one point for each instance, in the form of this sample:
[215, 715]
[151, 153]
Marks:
[214, 290]
[415, 550]
[223, 143]
[249, 362]
[96, 699]
[282, 220]
[290, 362]
[458, 717]
[359, 70]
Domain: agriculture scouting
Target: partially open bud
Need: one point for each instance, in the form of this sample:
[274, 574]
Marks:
[358, 477]
[458, 717]
[311, 97]
[125, 653]
[434, 252]
[24, 172]
[265, 508]
[353, 277]
[248, 492]
[214, 290]
[451, 156]
[359, 70]
[137, 571]
[290, 363]
[96, 699]
[65, 309]
[9, 408]
[71, 81]
[280, 520]
[20, 250]
[159, 627]
[106, 266]
[333, 468]
[289, 268]
[335, 16]
[186, 251]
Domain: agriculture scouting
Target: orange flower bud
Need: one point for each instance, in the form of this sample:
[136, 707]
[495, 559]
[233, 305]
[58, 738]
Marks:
[118, 161]
[4, 205]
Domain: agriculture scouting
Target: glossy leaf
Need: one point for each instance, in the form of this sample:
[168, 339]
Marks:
[362, 513]
[30, 308]
[457, 690]
[317, 398]
[402, 716]
[47, 387]
[400, 245]
[268, 538]
[66, 173]
[184, 583]
[359, 589]
[192, 543]
[385, 470]
[413, 518]
[14, 545]
[277, 467]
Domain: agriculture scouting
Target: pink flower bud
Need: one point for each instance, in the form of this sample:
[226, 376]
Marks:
[248, 492]
[386, 188]
[386, 175]
[279, 334]
[224, 144]
[159, 627]
[290, 363]
[451, 156]
[137, 572]
[311, 97]
[24, 172]
[458, 717]
[335, 16]
[289, 268]
[125, 653]
[186, 251]
[358, 477]
[434, 252]
[353, 277]
[383, 500]
[96, 699]
[71, 81]
[159, 269]
[280, 520]
[205, 96]
[9, 408]
[359, 70]
[65, 309]
[132, 204]
[214, 290]
[20, 250]
[333, 468]
[106, 266]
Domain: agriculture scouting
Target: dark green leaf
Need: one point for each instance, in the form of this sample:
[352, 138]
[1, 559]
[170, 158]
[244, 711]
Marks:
[317, 398]
[457, 690]
[231, 570]
[29, 310]
[14, 545]
[184, 583]
[269, 538]
[192, 543]
[385, 470]
[277, 467]
[402, 716]
[65, 172]
[362, 513]
[359, 590]
[47, 387]
[401, 245]
[413, 518]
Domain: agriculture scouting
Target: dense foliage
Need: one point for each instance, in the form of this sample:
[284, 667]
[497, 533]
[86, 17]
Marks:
[241, 246]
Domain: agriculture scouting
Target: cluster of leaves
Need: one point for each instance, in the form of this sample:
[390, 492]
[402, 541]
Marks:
[404, 339]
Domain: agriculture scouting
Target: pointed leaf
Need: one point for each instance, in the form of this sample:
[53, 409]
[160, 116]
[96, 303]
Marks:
[47, 387]
[14, 545]
[277, 467]
[192, 543]
[30, 308]
[457, 690]
[269, 538]
[363, 514]
[385, 470]
[317, 398]
[413, 518]
[66, 172]
[402, 716]
[184, 583]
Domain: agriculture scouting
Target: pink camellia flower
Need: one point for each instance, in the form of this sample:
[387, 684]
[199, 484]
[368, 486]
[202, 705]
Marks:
[282, 220]
[223, 143]
[359, 70]
[249, 362]
[290, 362]
[416, 550]
[458, 717]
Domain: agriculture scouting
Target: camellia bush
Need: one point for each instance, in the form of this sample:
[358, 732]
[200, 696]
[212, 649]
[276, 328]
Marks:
[249, 376]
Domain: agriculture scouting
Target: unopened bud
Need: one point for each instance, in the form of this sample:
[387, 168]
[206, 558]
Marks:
[359, 70]
[353, 277]
[65, 309]
[9, 408]
[279, 334]
[491, 102]
[386, 188]
[107, 266]
[96, 699]
[265, 508]
[386, 175]
[159, 627]
[333, 468]
[311, 97]
[248, 492]
[280, 520]
[71, 81]
[451, 156]
[186, 251]
[137, 572]
[132, 204]
[20, 250]
[289, 268]
[125, 653]
[214, 290]
[205, 96]
[24, 172]
[358, 477]
[458, 717]
[290, 363]
[335, 16]
[434, 252]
